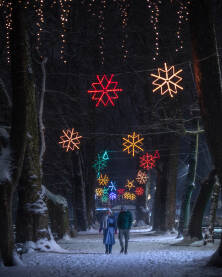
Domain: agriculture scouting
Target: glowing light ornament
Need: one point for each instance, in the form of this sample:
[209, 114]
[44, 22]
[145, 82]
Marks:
[103, 180]
[99, 192]
[104, 198]
[70, 140]
[120, 191]
[167, 80]
[105, 155]
[105, 90]
[139, 191]
[99, 164]
[130, 184]
[142, 177]
[112, 186]
[127, 195]
[112, 196]
[132, 196]
[105, 191]
[133, 144]
[149, 161]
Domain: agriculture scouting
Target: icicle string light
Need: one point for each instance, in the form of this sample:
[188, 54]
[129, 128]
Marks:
[182, 18]
[124, 8]
[101, 29]
[38, 7]
[65, 8]
[153, 5]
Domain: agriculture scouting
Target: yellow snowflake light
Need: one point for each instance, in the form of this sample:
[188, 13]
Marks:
[99, 192]
[133, 143]
[130, 184]
[103, 180]
[132, 196]
[127, 195]
[70, 140]
[142, 177]
[167, 80]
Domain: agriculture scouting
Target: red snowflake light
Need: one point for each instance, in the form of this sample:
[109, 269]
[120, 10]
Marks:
[120, 191]
[149, 161]
[70, 140]
[105, 91]
[139, 191]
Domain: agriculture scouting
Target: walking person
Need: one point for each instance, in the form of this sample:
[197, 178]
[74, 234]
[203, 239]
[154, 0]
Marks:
[109, 227]
[124, 223]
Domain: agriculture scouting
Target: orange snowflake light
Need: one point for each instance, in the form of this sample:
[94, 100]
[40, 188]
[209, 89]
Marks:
[132, 196]
[167, 80]
[70, 140]
[133, 143]
[142, 177]
[99, 192]
[130, 184]
[103, 180]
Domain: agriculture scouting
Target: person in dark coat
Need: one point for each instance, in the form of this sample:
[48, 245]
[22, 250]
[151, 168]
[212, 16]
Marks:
[109, 227]
[124, 223]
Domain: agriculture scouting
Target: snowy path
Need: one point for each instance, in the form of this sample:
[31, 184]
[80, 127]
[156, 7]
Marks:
[148, 256]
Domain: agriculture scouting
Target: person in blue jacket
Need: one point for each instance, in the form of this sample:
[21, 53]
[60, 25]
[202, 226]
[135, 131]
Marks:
[109, 227]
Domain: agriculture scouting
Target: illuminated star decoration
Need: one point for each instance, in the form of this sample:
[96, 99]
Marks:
[130, 184]
[70, 140]
[139, 191]
[103, 180]
[149, 161]
[142, 177]
[105, 91]
[167, 80]
[99, 192]
[133, 143]
[112, 186]
[112, 196]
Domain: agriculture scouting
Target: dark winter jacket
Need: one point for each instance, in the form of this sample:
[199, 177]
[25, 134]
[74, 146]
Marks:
[124, 220]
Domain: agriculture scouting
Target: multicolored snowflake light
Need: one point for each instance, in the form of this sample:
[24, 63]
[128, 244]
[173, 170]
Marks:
[103, 180]
[105, 90]
[99, 192]
[133, 143]
[142, 177]
[112, 186]
[167, 80]
[130, 184]
[70, 140]
[112, 196]
[149, 161]
[139, 191]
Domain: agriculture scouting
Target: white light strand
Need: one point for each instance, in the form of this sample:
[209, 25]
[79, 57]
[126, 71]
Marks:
[65, 9]
[182, 18]
[7, 6]
[124, 10]
[153, 5]
[38, 7]
[101, 29]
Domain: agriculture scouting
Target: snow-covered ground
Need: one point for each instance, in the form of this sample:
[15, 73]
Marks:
[149, 255]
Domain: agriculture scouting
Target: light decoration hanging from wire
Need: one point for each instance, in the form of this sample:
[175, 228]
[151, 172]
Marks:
[132, 196]
[124, 10]
[153, 5]
[182, 18]
[142, 177]
[105, 90]
[112, 186]
[129, 196]
[101, 29]
[139, 191]
[167, 80]
[130, 184]
[99, 164]
[148, 161]
[70, 140]
[112, 196]
[38, 7]
[65, 10]
[6, 6]
[103, 180]
[99, 192]
[133, 144]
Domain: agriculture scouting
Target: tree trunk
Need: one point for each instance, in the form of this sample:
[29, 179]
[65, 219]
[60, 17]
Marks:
[18, 129]
[208, 83]
[189, 186]
[195, 226]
